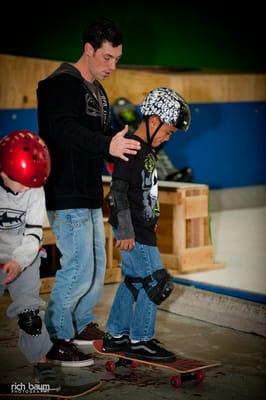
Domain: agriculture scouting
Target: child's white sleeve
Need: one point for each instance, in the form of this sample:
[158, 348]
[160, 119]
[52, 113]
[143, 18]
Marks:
[32, 237]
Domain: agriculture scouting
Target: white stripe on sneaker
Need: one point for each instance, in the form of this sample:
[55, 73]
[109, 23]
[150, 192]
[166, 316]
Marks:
[143, 347]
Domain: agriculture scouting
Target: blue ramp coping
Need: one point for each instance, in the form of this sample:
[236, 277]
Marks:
[241, 294]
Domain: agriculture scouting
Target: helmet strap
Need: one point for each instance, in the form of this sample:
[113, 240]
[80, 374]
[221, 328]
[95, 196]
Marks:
[149, 137]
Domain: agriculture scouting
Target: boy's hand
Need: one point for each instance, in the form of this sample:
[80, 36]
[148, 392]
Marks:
[125, 244]
[12, 269]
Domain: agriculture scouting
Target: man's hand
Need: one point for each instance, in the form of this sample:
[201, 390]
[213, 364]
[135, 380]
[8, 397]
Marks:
[120, 145]
[125, 244]
[12, 269]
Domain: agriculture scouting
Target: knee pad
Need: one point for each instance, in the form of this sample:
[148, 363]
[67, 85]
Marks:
[30, 322]
[129, 280]
[162, 289]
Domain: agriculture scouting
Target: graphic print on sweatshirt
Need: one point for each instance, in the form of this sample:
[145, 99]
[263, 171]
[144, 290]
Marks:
[151, 208]
[11, 219]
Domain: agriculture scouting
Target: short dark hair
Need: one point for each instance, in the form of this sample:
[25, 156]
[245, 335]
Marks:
[101, 30]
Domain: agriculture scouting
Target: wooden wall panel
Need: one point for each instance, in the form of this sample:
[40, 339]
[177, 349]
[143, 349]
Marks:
[19, 77]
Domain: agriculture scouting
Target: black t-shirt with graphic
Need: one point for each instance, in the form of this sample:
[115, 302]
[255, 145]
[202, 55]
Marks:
[141, 175]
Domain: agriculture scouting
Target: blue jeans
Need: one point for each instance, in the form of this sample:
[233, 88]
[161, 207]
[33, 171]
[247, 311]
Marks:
[126, 317]
[78, 284]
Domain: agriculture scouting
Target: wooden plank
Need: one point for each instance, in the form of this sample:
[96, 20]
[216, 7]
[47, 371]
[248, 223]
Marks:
[169, 261]
[48, 236]
[46, 284]
[196, 256]
[112, 275]
[19, 78]
[201, 267]
[168, 197]
[196, 207]
[199, 87]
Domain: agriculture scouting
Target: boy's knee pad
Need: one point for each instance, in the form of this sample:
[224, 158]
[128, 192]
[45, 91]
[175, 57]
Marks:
[30, 322]
[162, 289]
[158, 285]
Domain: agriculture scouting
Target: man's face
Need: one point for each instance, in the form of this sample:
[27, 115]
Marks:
[103, 61]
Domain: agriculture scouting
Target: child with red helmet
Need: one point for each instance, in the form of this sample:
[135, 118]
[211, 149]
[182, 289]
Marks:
[24, 169]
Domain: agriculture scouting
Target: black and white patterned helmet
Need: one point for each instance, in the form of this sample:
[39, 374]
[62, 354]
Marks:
[169, 106]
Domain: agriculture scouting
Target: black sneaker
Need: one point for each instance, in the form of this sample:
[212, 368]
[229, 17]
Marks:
[112, 344]
[150, 351]
[65, 353]
[45, 374]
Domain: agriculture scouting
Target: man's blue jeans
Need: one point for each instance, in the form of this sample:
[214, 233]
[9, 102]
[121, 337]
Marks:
[78, 284]
[126, 317]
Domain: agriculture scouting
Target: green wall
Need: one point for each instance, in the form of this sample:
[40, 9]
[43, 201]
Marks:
[222, 36]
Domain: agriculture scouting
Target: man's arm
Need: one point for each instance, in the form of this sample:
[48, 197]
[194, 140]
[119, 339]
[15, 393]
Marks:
[60, 103]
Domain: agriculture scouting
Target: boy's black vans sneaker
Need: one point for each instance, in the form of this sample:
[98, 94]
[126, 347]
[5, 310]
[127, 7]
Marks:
[45, 374]
[112, 344]
[65, 353]
[150, 351]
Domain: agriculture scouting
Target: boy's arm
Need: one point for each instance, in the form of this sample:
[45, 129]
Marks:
[119, 204]
[25, 254]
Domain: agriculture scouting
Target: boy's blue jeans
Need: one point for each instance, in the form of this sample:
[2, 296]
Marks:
[78, 284]
[126, 317]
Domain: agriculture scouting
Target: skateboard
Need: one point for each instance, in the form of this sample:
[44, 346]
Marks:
[28, 390]
[185, 369]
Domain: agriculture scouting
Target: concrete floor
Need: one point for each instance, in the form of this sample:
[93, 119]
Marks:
[241, 375]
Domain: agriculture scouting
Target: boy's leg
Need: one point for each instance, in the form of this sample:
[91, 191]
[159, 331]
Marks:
[27, 306]
[145, 260]
[124, 318]
[139, 263]
[121, 313]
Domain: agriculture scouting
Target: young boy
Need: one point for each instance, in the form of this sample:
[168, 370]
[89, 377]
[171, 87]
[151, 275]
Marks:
[134, 206]
[24, 169]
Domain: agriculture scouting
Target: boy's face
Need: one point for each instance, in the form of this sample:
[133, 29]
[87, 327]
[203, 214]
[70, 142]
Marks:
[15, 186]
[163, 135]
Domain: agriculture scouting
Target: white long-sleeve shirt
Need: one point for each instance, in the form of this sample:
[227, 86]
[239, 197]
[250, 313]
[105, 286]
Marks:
[21, 222]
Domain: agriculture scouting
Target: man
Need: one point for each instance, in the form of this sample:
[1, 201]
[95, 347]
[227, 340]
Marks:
[73, 114]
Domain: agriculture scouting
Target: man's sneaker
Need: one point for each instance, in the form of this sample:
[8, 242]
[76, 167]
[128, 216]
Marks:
[90, 333]
[112, 344]
[45, 374]
[150, 351]
[65, 353]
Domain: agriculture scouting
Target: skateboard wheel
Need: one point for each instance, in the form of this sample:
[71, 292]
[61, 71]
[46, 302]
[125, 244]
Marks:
[134, 364]
[176, 381]
[200, 376]
[110, 366]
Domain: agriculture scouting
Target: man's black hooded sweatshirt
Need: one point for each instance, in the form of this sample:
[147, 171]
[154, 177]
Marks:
[73, 117]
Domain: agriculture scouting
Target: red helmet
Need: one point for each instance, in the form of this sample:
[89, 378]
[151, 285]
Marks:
[25, 158]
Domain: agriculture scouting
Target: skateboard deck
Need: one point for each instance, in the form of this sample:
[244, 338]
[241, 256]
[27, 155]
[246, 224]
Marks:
[185, 368]
[27, 390]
